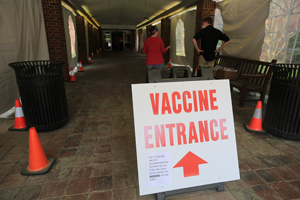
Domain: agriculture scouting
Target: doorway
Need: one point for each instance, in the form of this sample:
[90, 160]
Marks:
[127, 40]
[107, 40]
[117, 40]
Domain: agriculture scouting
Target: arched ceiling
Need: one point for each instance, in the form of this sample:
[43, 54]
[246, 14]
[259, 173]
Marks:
[128, 12]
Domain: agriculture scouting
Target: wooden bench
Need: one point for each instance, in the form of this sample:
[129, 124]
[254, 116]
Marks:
[252, 76]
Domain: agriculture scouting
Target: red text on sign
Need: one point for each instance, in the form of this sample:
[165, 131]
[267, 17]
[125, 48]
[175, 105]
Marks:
[201, 100]
[180, 134]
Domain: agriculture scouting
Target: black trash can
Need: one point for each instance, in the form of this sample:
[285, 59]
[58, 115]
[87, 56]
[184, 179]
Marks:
[43, 95]
[282, 116]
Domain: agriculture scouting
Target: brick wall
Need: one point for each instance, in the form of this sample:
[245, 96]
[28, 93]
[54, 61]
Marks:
[204, 9]
[55, 31]
[91, 39]
[81, 39]
[165, 35]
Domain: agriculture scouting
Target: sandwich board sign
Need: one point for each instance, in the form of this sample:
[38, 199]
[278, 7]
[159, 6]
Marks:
[185, 135]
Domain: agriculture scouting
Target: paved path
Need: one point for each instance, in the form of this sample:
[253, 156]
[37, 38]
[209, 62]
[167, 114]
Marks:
[95, 151]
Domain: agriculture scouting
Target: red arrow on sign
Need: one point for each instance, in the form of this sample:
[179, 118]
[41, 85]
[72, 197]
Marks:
[190, 164]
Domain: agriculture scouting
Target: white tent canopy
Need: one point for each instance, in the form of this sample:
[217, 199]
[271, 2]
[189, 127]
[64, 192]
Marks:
[244, 24]
[22, 38]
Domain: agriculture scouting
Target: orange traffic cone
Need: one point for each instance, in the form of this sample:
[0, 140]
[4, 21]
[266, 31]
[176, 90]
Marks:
[80, 67]
[256, 121]
[100, 50]
[19, 118]
[97, 51]
[170, 63]
[38, 162]
[92, 55]
[90, 59]
[196, 71]
[72, 76]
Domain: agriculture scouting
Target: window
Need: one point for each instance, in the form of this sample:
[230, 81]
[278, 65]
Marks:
[282, 34]
[72, 36]
[180, 49]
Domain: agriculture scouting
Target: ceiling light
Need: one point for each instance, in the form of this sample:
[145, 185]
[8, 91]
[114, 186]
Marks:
[156, 23]
[185, 11]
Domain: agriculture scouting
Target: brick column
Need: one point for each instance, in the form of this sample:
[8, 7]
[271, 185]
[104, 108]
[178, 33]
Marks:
[136, 33]
[165, 35]
[81, 39]
[147, 31]
[141, 39]
[133, 39]
[90, 37]
[100, 38]
[204, 9]
[95, 39]
[55, 32]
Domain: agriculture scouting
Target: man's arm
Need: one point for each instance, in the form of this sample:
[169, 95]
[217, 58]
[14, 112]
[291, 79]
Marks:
[222, 47]
[196, 46]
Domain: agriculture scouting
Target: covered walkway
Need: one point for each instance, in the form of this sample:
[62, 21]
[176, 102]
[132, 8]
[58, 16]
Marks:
[95, 152]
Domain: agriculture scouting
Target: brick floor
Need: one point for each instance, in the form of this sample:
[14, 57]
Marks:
[95, 151]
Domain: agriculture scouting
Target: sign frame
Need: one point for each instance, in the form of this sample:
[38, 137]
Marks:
[155, 106]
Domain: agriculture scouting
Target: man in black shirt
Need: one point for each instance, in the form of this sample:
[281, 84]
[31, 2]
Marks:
[209, 39]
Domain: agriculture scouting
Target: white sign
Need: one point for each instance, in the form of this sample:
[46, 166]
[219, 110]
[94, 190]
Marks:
[185, 135]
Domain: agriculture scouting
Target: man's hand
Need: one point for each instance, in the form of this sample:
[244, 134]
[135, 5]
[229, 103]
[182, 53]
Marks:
[196, 46]
[199, 51]
[222, 47]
